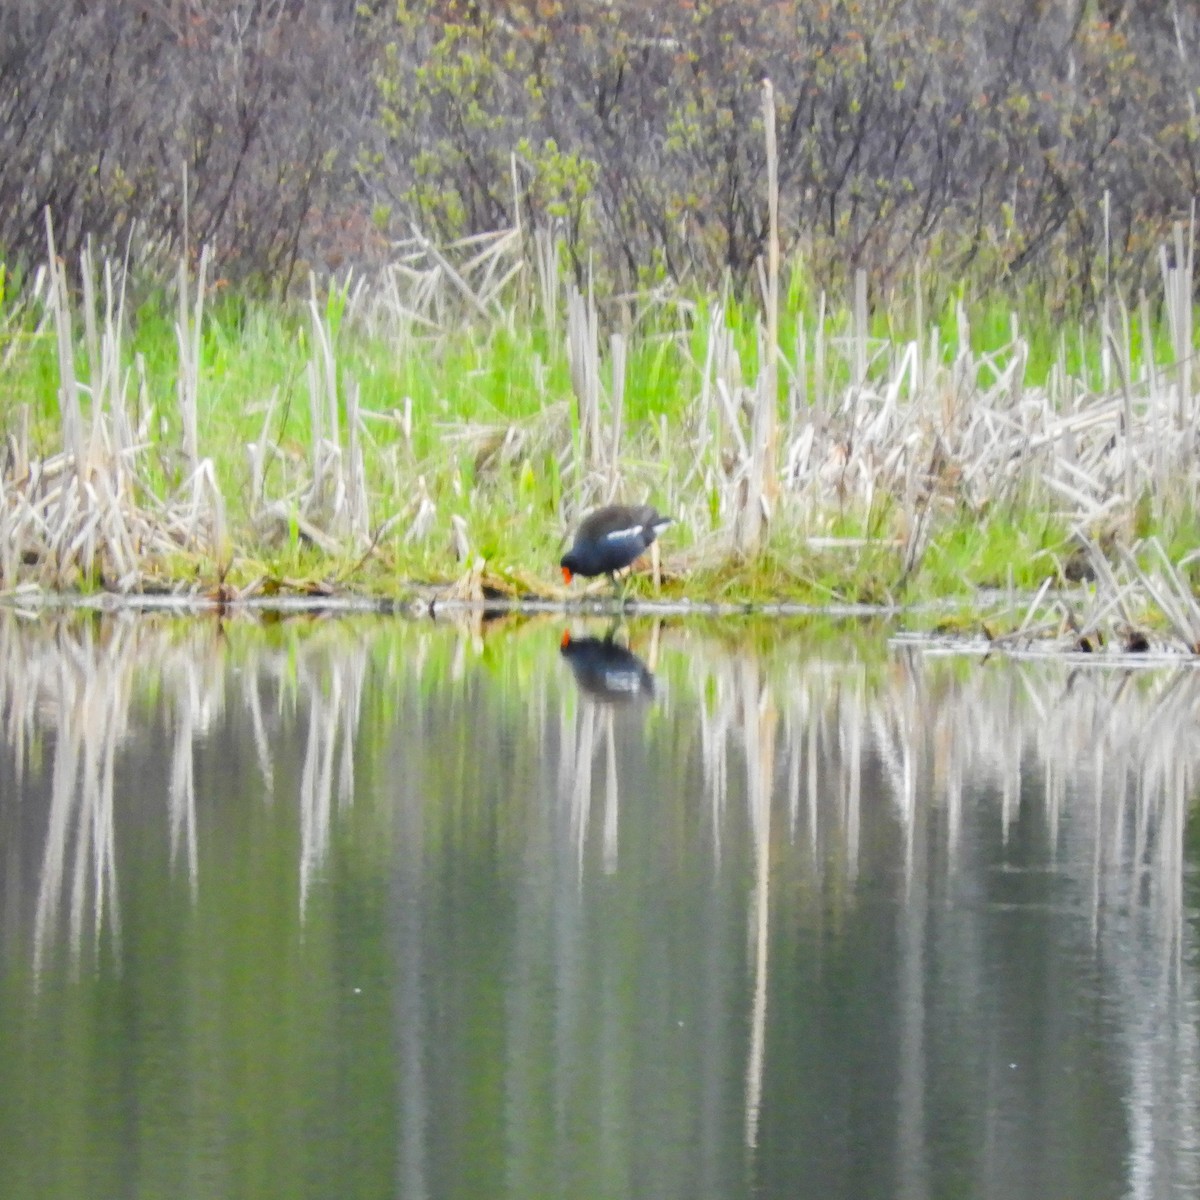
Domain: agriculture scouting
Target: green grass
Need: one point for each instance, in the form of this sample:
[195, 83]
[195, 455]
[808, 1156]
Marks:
[1006, 553]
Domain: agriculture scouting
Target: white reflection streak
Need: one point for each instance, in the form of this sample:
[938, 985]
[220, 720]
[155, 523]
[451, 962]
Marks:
[951, 751]
[566, 741]
[90, 700]
[792, 742]
[581, 791]
[83, 852]
[852, 808]
[18, 693]
[1160, 1037]
[612, 800]
[182, 794]
[908, 803]
[1098, 758]
[714, 732]
[1170, 867]
[811, 782]
[1010, 794]
[316, 785]
[759, 731]
[912, 1135]
[1055, 788]
[896, 751]
[355, 679]
[105, 836]
[253, 705]
[62, 800]
[334, 687]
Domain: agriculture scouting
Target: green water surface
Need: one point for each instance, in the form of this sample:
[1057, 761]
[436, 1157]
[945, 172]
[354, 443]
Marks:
[377, 908]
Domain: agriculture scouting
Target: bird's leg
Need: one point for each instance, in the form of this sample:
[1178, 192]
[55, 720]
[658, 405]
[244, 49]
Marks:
[620, 589]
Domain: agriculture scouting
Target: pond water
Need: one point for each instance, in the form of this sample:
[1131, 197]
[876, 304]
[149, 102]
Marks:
[381, 908]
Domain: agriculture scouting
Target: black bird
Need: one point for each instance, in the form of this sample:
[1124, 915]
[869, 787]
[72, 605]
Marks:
[610, 538]
[606, 670]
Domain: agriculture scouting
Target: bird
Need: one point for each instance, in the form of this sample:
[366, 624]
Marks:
[610, 538]
[605, 670]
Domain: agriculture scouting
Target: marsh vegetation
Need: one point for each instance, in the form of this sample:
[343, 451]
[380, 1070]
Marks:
[881, 329]
[450, 425]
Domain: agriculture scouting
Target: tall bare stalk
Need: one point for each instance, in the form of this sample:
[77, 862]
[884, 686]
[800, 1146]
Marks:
[1177, 273]
[188, 334]
[616, 413]
[761, 482]
[68, 384]
[583, 355]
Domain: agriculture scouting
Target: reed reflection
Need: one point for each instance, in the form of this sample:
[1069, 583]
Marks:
[806, 732]
[776, 793]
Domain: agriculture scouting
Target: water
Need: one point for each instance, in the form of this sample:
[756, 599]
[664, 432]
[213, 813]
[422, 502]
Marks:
[376, 908]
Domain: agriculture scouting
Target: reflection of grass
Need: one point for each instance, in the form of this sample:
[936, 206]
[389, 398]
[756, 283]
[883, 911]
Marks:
[321, 711]
[402, 433]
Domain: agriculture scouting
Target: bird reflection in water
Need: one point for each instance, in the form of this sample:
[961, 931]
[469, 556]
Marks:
[611, 677]
[606, 671]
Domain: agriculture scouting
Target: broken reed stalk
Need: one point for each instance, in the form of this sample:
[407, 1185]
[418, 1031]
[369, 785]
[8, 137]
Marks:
[1171, 592]
[463, 288]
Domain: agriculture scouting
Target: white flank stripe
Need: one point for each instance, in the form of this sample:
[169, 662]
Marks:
[618, 534]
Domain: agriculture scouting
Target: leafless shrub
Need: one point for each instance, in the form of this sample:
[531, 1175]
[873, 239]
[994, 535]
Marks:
[238, 115]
